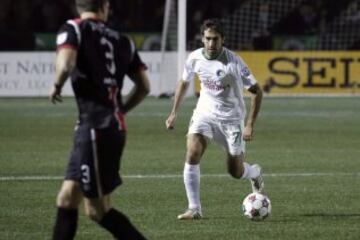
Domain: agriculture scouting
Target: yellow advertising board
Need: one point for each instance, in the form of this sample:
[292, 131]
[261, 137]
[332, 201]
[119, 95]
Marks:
[306, 73]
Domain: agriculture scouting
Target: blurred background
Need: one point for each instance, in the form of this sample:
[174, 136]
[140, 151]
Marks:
[293, 47]
[304, 54]
[250, 24]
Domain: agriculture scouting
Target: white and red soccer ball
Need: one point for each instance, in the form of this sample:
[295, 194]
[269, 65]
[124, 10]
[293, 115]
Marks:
[256, 206]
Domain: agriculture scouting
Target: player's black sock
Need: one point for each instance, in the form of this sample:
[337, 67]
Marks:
[120, 226]
[65, 224]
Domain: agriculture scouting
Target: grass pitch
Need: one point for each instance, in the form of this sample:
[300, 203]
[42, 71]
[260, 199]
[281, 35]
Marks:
[309, 149]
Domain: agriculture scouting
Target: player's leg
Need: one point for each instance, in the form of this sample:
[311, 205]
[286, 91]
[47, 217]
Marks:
[196, 145]
[238, 168]
[102, 178]
[101, 211]
[235, 165]
[229, 135]
[67, 203]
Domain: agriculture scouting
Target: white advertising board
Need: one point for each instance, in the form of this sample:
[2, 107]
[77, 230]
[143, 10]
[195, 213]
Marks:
[32, 74]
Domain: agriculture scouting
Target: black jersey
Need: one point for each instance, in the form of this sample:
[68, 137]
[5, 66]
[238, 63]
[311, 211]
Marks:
[104, 57]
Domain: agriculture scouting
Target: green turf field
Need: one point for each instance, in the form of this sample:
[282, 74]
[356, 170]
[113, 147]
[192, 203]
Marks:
[309, 149]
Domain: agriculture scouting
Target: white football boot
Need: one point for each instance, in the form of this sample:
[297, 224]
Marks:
[190, 214]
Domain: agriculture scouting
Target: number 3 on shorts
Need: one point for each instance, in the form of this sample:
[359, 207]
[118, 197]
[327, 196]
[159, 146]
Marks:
[85, 174]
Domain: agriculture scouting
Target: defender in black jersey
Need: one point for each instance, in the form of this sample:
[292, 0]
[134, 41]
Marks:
[96, 58]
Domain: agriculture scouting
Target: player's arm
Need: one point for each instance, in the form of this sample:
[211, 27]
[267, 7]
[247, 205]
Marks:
[180, 91]
[140, 90]
[65, 63]
[256, 97]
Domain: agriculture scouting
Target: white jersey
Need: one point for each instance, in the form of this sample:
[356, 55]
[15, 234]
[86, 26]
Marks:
[222, 82]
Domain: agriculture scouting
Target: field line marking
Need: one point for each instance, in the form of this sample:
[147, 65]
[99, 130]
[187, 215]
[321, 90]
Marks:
[162, 176]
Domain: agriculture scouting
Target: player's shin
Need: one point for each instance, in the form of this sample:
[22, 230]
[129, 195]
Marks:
[65, 224]
[120, 226]
[192, 185]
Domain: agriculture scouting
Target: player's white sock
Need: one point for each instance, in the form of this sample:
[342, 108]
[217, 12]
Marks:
[192, 185]
[250, 172]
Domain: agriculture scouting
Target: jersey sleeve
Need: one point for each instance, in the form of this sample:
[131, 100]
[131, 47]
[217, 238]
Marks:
[188, 73]
[67, 37]
[245, 74]
[136, 64]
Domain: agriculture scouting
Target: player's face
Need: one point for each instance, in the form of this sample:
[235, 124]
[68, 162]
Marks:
[213, 43]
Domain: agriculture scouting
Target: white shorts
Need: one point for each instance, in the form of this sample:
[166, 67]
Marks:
[227, 133]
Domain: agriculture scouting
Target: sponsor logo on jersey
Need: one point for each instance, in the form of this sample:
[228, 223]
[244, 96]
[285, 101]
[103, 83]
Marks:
[220, 73]
[245, 72]
[214, 86]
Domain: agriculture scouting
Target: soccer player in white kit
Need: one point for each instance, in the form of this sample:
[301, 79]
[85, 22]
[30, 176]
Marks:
[219, 114]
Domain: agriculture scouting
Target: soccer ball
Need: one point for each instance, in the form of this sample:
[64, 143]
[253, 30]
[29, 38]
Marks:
[256, 206]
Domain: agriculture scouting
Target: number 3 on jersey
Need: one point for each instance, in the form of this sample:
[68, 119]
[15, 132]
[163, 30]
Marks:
[109, 55]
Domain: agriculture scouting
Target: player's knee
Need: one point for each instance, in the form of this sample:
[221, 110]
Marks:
[66, 200]
[196, 145]
[193, 155]
[235, 166]
[69, 195]
[193, 159]
[94, 214]
[96, 209]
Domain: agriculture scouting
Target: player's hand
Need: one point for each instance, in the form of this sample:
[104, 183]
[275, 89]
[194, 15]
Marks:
[248, 133]
[55, 94]
[170, 121]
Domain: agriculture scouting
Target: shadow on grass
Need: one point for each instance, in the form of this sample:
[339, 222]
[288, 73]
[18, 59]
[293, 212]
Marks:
[332, 215]
[329, 216]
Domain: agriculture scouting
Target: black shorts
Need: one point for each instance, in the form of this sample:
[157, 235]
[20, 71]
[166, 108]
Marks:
[95, 160]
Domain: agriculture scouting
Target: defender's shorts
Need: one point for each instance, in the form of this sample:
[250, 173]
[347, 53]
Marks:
[95, 160]
[227, 133]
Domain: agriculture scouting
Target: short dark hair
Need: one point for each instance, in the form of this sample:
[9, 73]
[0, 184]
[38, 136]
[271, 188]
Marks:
[213, 24]
[90, 5]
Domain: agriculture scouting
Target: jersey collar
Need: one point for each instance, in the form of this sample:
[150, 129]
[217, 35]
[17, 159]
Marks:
[208, 58]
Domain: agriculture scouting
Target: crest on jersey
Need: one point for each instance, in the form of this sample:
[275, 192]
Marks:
[61, 38]
[245, 72]
[220, 73]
